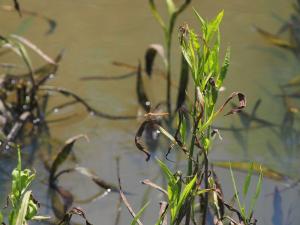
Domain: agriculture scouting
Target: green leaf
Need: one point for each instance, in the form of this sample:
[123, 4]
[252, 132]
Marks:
[186, 192]
[247, 181]
[139, 214]
[168, 173]
[1, 218]
[23, 209]
[257, 192]
[156, 14]
[213, 26]
[202, 21]
[174, 188]
[183, 129]
[224, 69]
[236, 191]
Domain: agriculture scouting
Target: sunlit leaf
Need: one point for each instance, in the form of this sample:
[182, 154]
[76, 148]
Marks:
[224, 69]
[187, 191]
[23, 210]
[33, 47]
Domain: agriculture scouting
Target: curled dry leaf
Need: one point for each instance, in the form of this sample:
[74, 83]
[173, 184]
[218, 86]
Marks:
[242, 103]
[157, 187]
[80, 100]
[151, 52]
[74, 211]
[183, 83]
[61, 201]
[138, 140]
[51, 23]
[162, 213]
[140, 90]
[62, 156]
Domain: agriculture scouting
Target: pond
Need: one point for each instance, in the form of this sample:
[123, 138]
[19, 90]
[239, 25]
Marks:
[94, 34]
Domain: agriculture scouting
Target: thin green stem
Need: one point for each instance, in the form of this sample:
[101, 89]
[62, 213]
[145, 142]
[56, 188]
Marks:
[168, 40]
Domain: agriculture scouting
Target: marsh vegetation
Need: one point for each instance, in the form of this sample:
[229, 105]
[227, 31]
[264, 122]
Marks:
[175, 131]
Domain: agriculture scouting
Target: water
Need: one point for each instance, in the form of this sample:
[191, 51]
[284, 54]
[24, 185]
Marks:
[95, 33]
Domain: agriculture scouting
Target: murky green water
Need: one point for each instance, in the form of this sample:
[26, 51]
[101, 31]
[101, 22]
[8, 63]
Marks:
[95, 33]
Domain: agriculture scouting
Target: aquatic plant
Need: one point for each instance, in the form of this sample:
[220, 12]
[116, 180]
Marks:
[202, 53]
[247, 215]
[24, 207]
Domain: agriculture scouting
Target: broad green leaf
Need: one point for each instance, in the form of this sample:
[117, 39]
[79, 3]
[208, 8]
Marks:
[139, 214]
[1, 218]
[224, 69]
[23, 209]
[213, 26]
[247, 181]
[168, 173]
[186, 192]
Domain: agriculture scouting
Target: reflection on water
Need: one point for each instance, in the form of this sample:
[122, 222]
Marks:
[105, 31]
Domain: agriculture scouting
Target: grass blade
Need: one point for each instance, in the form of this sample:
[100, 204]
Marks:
[257, 192]
[139, 214]
[236, 193]
[247, 181]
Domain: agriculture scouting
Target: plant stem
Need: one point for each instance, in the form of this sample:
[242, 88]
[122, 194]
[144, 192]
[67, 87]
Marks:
[168, 39]
[206, 187]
